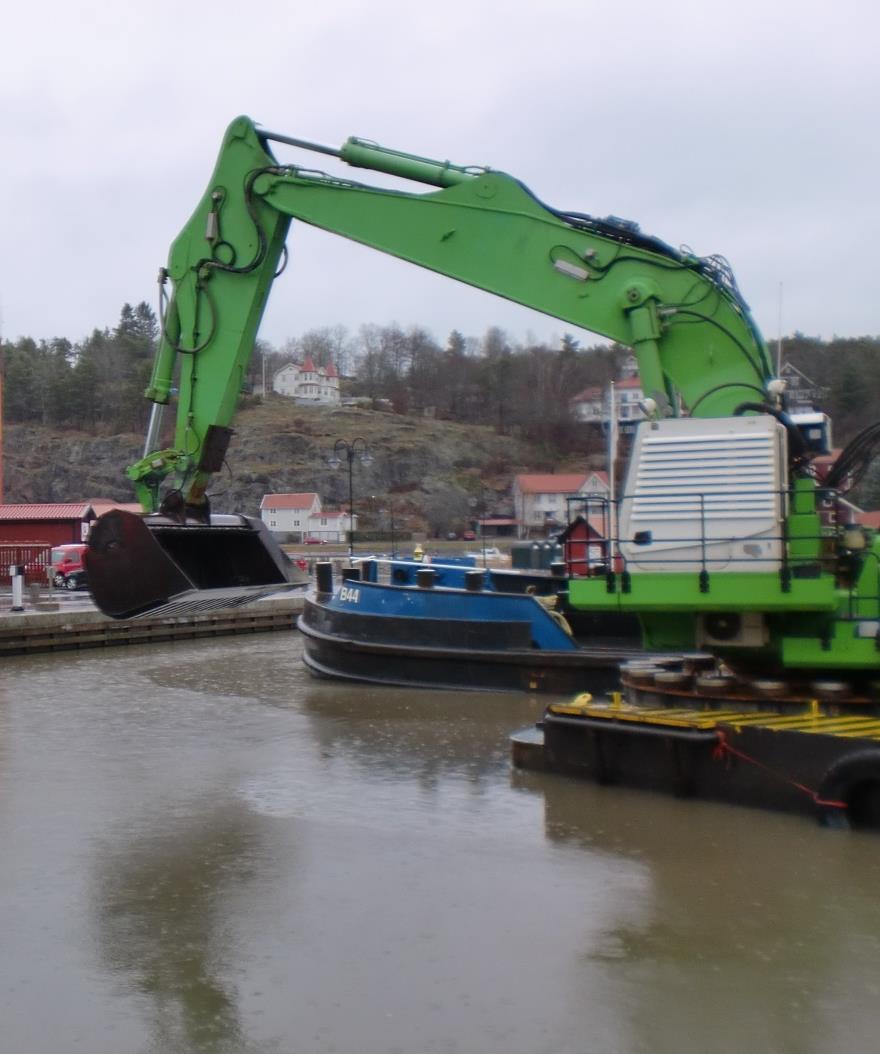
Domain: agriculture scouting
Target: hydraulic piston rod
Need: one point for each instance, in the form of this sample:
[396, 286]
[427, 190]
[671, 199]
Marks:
[362, 153]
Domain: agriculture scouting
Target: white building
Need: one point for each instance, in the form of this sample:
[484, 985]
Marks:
[301, 516]
[541, 500]
[591, 405]
[307, 383]
[802, 394]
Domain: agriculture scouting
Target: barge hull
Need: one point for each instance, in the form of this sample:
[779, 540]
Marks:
[817, 762]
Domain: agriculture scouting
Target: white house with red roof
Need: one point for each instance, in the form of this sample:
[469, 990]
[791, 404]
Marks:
[308, 383]
[301, 516]
[541, 500]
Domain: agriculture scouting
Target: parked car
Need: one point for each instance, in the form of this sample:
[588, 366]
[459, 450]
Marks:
[314, 541]
[68, 569]
[491, 552]
[469, 536]
[77, 580]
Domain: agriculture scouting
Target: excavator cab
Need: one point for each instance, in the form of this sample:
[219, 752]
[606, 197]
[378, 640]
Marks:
[154, 565]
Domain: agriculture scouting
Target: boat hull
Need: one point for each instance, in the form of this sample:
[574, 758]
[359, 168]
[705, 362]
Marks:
[476, 654]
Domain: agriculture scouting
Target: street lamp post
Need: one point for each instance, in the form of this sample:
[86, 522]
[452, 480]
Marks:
[358, 449]
[479, 510]
[390, 521]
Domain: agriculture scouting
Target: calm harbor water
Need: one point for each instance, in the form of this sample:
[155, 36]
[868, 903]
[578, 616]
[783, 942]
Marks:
[204, 849]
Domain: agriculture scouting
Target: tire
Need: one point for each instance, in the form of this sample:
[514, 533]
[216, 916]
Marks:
[864, 805]
[71, 583]
[58, 581]
[854, 780]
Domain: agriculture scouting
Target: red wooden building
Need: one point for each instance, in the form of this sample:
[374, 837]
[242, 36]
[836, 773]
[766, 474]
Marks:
[28, 532]
[49, 524]
[585, 546]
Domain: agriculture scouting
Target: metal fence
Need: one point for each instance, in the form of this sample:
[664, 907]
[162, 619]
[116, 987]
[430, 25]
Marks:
[34, 557]
[698, 534]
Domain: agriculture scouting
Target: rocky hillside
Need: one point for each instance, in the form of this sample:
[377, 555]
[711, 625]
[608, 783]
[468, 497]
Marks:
[430, 471]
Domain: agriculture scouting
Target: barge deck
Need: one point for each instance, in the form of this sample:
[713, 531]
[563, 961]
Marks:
[796, 754]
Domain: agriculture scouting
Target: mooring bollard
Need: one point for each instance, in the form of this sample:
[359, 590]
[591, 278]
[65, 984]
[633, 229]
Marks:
[474, 581]
[16, 573]
[324, 576]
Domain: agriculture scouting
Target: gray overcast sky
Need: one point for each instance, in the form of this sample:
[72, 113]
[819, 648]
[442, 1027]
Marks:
[748, 129]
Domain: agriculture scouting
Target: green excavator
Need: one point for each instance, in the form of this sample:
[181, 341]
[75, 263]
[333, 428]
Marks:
[722, 537]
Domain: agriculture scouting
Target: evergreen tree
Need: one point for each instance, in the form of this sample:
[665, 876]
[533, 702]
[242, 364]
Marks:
[20, 380]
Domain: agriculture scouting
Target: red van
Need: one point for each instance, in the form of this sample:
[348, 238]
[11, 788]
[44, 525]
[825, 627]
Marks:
[68, 570]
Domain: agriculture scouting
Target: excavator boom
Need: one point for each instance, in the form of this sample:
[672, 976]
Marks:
[697, 346]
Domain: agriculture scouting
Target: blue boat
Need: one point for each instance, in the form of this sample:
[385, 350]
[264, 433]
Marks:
[453, 625]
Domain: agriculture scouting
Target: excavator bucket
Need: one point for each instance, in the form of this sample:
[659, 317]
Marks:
[152, 565]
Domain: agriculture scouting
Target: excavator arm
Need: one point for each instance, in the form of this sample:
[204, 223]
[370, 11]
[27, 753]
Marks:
[697, 347]
[696, 343]
[221, 268]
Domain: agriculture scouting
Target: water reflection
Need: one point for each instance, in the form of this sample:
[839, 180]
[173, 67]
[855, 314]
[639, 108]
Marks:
[380, 729]
[162, 899]
[364, 755]
[740, 938]
[204, 842]
[420, 734]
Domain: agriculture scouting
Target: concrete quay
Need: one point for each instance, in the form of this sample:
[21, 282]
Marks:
[62, 622]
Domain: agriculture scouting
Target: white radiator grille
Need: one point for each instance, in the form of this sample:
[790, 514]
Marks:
[698, 488]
